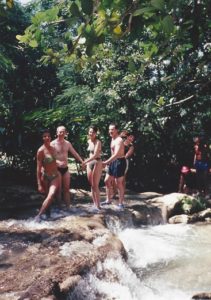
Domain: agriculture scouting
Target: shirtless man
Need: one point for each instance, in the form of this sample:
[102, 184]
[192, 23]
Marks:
[63, 147]
[116, 166]
[201, 164]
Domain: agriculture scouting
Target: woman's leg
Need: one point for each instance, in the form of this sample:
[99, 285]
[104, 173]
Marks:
[90, 177]
[96, 175]
[53, 186]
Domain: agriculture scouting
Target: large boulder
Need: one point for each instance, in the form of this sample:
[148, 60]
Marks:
[48, 262]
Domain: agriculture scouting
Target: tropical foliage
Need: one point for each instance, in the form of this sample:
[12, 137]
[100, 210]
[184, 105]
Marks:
[142, 64]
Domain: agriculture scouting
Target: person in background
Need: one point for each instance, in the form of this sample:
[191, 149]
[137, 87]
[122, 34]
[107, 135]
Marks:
[187, 184]
[63, 148]
[201, 164]
[94, 165]
[48, 177]
[116, 166]
[129, 149]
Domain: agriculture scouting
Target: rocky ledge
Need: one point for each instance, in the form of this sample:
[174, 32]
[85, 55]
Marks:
[47, 260]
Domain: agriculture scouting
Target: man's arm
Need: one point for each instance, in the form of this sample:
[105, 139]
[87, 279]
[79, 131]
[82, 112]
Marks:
[74, 152]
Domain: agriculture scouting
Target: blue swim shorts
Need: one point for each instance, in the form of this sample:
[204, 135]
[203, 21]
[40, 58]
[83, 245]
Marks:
[117, 167]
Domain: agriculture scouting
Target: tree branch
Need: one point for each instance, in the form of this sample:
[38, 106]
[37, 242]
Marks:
[180, 101]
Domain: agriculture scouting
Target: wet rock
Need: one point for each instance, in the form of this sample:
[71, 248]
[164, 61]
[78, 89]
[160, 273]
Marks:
[146, 215]
[204, 215]
[202, 296]
[69, 283]
[179, 219]
[47, 262]
[170, 204]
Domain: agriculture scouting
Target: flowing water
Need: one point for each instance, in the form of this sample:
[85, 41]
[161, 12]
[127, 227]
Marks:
[164, 262]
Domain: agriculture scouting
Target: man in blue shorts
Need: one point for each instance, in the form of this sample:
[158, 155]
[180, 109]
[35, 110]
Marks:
[116, 166]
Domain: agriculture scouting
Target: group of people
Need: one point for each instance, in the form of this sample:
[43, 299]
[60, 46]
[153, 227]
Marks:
[53, 176]
[195, 180]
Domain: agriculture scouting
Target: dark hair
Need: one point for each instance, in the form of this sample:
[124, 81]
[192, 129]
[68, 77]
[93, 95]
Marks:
[124, 134]
[45, 130]
[94, 128]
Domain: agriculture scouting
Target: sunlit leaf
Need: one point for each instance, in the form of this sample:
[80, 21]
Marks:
[10, 3]
[33, 43]
[161, 101]
[118, 30]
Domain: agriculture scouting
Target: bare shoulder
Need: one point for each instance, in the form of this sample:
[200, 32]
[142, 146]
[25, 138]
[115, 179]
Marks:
[99, 142]
[119, 140]
[41, 149]
[40, 152]
[53, 142]
[67, 143]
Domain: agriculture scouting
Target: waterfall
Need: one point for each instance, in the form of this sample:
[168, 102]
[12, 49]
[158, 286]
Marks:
[164, 262]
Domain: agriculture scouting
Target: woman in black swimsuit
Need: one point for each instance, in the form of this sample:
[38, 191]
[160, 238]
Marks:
[48, 177]
[94, 165]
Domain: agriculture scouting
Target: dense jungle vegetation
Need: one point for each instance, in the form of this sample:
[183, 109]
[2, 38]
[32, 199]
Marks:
[144, 64]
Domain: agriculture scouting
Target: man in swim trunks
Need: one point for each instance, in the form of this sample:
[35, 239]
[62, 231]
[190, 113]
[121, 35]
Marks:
[116, 166]
[201, 164]
[63, 147]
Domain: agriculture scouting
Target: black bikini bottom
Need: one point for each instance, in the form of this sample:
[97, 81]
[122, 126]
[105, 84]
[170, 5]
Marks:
[62, 170]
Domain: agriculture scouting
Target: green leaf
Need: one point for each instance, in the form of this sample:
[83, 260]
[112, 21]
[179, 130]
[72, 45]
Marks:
[33, 43]
[159, 4]
[75, 10]
[10, 3]
[168, 25]
[117, 30]
[87, 6]
[21, 38]
[131, 66]
[161, 101]
[142, 11]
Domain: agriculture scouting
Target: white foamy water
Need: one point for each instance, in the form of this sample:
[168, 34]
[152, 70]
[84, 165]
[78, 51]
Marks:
[31, 224]
[164, 262]
[152, 245]
[27, 224]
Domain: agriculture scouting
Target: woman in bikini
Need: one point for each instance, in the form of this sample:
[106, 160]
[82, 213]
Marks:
[94, 165]
[48, 177]
[129, 151]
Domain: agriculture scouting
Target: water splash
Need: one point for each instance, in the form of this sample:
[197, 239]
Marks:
[163, 263]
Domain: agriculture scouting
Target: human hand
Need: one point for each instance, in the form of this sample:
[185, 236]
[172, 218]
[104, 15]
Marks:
[83, 165]
[41, 189]
[104, 164]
